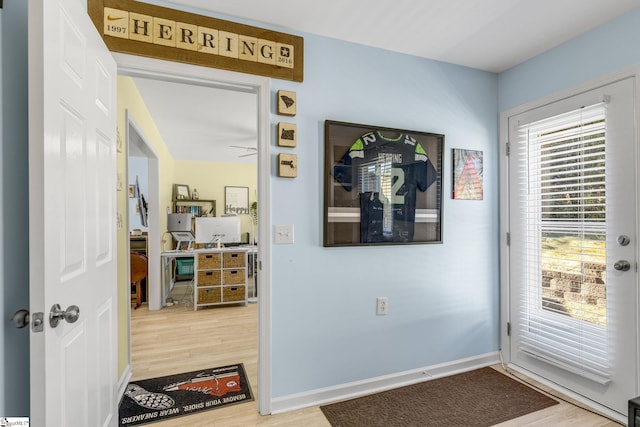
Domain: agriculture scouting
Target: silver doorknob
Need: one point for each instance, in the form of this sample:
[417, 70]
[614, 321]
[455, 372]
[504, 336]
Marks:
[622, 265]
[20, 318]
[71, 314]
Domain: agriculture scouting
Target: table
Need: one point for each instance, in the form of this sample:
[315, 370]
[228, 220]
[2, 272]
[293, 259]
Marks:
[168, 259]
[167, 274]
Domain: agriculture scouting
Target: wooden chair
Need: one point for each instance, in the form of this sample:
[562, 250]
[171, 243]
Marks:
[138, 273]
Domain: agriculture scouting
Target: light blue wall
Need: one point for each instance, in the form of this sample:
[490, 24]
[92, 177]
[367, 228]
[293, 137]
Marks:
[608, 48]
[443, 298]
[14, 226]
[138, 166]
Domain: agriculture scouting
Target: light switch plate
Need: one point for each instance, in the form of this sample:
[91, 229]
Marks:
[283, 234]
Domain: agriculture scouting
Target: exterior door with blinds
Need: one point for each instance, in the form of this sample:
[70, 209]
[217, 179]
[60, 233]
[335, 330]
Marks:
[572, 255]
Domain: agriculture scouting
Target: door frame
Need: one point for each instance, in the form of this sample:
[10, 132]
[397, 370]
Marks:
[153, 234]
[153, 237]
[505, 351]
[150, 68]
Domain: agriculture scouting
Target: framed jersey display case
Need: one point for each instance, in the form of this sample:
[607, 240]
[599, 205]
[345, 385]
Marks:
[382, 186]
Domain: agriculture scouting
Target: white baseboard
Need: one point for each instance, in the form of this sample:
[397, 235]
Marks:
[124, 380]
[374, 385]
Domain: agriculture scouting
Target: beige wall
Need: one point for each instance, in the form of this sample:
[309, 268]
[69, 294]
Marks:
[129, 99]
[209, 178]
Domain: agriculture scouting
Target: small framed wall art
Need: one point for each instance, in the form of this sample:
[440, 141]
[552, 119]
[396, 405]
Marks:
[286, 134]
[467, 175]
[181, 192]
[287, 103]
[236, 200]
[287, 165]
[119, 182]
[119, 141]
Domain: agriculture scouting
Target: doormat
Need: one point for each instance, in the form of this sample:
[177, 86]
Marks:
[483, 397]
[160, 398]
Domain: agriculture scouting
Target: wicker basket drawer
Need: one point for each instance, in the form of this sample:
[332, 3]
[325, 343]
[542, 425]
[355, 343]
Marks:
[233, 293]
[233, 277]
[208, 261]
[209, 296]
[234, 259]
[209, 278]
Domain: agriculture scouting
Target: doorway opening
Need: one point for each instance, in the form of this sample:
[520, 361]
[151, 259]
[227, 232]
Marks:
[181, 73]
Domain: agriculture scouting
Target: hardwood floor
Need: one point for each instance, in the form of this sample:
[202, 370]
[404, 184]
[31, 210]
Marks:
[177, 339]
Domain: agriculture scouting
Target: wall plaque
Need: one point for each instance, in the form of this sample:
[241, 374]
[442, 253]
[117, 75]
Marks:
[147, 30]
[287, 165]
[286, 134]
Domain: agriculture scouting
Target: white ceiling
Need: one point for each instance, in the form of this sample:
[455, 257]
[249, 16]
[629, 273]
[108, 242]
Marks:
[203, 123]
[491, 35]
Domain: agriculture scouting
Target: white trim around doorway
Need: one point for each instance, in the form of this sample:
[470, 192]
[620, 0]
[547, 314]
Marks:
[137, 66]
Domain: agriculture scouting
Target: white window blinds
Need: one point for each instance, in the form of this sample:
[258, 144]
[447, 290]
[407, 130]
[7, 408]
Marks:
[562, 191]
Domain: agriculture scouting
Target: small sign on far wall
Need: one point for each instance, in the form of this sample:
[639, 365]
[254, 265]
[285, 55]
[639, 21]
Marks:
[467, 175]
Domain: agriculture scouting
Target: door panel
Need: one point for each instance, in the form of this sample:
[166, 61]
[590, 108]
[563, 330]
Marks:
[73, 346]
[541, 296]
[72, 176]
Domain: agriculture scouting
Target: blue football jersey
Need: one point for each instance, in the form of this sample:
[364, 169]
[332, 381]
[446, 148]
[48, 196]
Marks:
[387, 172]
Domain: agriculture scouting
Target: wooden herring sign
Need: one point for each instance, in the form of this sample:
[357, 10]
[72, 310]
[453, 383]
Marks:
[147, 30]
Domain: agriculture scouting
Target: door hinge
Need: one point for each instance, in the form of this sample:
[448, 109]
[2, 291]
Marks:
[508, 148]
[508, 238]
[508, 329]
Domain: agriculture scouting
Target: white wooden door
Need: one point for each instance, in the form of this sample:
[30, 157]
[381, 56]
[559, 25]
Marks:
[72, 217]
[573, 306]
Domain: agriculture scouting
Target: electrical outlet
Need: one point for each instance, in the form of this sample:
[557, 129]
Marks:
[382, 306]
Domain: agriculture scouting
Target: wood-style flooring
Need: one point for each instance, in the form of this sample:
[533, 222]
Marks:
[176, 339]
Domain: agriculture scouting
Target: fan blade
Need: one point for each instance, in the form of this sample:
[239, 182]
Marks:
[243, 148]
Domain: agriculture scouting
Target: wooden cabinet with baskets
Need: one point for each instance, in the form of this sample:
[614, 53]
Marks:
[220, 277]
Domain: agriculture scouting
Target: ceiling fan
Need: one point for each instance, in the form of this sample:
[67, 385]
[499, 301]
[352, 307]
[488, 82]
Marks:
[251, 151]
